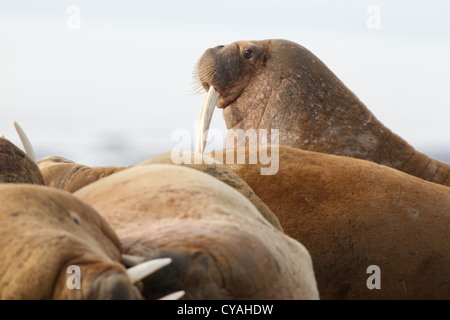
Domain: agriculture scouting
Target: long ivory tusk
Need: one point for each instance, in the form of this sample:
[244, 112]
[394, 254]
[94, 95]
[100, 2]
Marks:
[145, 269]
[25, 142]
[206, 112]
[173, 296]
[131, 261]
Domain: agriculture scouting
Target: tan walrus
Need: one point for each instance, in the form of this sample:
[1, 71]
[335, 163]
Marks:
[351, 214]
[219, 171]
[278, 84]
[64, 174]
[47, 236]
[221, 246]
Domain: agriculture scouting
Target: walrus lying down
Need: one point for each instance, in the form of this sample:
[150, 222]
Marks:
[221, 246]
[351, 214]
[64, 174]
[278, 84]
[46, 235]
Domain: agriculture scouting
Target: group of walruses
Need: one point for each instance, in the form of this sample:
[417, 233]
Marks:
[348, 194]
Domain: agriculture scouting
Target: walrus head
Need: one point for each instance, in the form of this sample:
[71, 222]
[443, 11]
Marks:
[273, 84]
[230, 69]
[280, 85]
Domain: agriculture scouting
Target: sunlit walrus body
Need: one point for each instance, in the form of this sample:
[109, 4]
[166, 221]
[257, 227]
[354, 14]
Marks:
[46, 237]
[64, 174]
[351, 214]
[221, 246]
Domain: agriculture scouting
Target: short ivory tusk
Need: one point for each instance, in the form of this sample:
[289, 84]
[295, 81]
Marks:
[131, 261]
[146, 268]
[25, 142]
[173, 296]
[204, 120]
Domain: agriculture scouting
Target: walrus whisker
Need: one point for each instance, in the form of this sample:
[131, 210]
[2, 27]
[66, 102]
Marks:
[206, 71]
[26, 143]
[197, 87]
[174, 296]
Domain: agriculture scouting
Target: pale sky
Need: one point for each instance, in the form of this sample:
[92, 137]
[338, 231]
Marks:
[113, 91]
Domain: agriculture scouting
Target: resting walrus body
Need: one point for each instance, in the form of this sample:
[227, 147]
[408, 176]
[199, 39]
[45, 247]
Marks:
[350, 214]
[64, 174]
[43, 232]
[278, 84]
[221, 246]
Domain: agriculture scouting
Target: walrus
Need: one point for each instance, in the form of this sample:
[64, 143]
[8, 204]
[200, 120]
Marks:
[47, 235]
[350, 214]
[279, 84]
[64, 174]
[220, 245]
[16, 166]
[221, 172]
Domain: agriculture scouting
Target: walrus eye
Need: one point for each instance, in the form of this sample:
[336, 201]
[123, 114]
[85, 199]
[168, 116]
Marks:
[248, 53]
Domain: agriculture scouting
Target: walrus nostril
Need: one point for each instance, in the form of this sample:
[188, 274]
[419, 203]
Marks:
[220, 47]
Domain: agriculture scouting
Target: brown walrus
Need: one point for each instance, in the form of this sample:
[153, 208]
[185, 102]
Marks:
[45, 235]
[278, 84]
[219, 171]
[64, 174]
[221, 246]
[351, 214]
[16, 166]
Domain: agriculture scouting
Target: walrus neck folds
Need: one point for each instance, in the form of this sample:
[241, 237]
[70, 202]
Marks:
[316, 111]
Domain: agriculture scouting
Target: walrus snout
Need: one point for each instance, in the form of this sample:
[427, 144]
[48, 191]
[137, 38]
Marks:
[218, 67]
[206, 69]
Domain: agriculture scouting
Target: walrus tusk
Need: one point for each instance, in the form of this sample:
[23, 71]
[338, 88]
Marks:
[173, 296]
[131, 261]
[206, 112]
[26, 142]
[145, 269]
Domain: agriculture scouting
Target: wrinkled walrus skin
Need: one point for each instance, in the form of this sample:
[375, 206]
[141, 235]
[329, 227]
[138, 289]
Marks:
[64, 174]
[43, 231]
[221, 246]
[16, 166]
[351, 213]
[278, 84]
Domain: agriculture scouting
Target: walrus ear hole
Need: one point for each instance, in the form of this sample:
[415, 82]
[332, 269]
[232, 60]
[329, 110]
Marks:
[248, 53]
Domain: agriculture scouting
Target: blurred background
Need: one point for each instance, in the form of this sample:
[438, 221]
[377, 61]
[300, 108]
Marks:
[109, 82]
